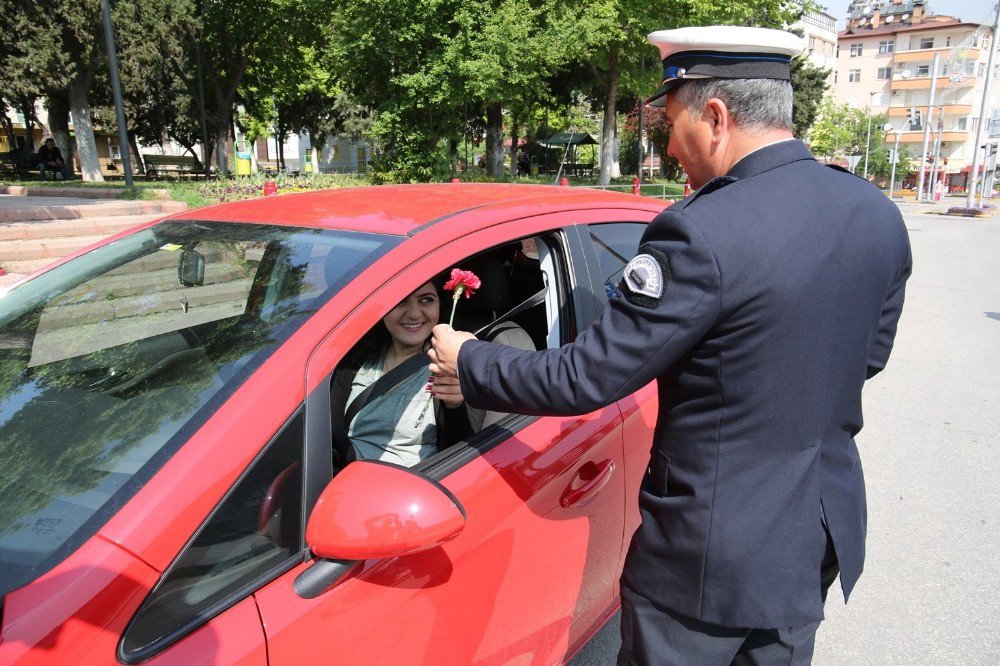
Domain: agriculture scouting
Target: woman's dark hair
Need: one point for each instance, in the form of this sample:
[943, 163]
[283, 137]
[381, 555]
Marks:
[370, 346]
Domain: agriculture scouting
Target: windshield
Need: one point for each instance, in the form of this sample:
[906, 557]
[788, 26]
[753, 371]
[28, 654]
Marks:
[111, 361]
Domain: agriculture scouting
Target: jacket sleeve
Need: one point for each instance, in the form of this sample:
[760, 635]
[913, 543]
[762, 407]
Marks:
[878, 355]
[636, 339]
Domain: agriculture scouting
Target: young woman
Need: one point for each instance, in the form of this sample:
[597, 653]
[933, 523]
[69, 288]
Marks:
[417, 415]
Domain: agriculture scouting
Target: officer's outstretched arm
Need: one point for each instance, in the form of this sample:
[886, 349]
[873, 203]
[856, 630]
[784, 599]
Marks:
[670, 298]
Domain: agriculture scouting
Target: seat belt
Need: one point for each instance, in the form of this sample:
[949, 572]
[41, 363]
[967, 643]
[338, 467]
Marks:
[533, 300]
[395, 377]
[384, 384]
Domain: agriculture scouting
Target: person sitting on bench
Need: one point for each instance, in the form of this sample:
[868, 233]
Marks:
[49, 158]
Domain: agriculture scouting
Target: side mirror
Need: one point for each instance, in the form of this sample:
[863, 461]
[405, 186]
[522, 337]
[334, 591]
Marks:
[374, 510]
[191, 268]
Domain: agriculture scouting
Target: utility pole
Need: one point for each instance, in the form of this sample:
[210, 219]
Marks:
[983, 108]
[927, 127]
[895, 159]
[116, 89]
[868, 140]
[935, 170]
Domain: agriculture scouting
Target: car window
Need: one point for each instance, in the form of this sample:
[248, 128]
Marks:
[615, 243]
[256, 529]
[110, 361]
[522, 302]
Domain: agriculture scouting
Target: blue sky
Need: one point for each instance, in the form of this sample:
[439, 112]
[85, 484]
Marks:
[976, 11]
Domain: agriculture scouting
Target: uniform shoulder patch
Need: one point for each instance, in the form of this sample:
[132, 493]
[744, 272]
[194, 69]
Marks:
[645, 279]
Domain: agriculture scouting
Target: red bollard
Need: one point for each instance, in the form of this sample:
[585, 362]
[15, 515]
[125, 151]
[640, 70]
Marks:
[635, 185]
[2, 272]
[564, 182]
[456, 180]
[270, 187]
[687, 187]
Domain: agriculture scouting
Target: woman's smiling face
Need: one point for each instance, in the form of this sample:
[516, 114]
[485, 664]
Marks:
[410, 323]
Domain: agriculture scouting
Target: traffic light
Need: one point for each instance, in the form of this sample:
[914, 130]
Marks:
[993, 149]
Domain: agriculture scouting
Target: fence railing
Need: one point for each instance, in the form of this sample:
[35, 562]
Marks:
[654, 190]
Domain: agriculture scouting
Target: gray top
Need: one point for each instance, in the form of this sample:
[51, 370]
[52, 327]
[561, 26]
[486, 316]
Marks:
[398, 426]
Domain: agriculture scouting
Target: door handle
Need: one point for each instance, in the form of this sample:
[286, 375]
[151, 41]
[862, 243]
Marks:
[589, 481]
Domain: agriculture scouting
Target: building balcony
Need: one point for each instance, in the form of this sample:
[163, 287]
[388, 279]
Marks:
[949, 109]
[921, 55]
[924, 83]
[918, 137]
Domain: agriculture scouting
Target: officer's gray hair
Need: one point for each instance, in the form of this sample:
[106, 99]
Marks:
[756, 105]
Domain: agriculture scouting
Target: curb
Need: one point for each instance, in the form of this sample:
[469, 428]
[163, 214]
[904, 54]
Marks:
[110, 209]
[76, 192]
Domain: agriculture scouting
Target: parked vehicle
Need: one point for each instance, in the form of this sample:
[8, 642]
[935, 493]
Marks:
[168, 492]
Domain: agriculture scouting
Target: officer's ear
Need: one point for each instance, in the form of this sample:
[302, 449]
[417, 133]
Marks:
[716, 114]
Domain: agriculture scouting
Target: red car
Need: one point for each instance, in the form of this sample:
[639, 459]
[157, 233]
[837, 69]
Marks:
[167, 488]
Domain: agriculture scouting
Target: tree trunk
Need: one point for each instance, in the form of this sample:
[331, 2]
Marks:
[608, 159]
[514, 131]
[58, 108]
[137, 163]
[26, 107]
[453, 156]
[494, 140]
[223, 121]
[86, 146]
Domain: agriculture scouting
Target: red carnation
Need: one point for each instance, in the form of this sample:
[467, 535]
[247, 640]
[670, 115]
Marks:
[461, 282]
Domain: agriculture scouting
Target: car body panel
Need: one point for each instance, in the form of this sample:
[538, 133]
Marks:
[527, 580]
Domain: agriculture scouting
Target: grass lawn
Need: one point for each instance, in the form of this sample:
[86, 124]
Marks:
[196, 193]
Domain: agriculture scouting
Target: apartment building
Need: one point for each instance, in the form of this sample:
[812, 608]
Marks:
[820, 31]
[886, 56]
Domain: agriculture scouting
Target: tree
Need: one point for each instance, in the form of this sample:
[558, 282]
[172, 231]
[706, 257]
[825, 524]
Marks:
[57, 50]
[808, 87]
[624, 64]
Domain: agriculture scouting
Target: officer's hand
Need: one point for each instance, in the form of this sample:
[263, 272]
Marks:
[445, 344]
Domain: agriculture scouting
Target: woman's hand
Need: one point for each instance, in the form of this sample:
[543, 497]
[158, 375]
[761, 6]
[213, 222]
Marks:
[447, 390]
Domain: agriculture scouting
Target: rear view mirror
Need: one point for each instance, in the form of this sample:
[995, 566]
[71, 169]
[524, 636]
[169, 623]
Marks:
[191, 269]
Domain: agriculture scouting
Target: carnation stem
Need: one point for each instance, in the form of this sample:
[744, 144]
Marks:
[454, 303]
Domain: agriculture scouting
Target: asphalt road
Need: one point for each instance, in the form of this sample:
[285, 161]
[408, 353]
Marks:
[930, 593]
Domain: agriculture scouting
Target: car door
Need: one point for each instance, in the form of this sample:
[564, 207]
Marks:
[533, 573]
[609, 246]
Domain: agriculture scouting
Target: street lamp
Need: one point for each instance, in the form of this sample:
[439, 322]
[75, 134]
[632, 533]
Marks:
[895, 158]
[868, 140]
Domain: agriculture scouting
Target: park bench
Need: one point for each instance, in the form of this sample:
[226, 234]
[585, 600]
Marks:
[18, 163]
[161, 165]
[270, 168]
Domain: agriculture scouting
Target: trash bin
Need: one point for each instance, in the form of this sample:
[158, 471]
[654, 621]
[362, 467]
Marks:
[244, 165]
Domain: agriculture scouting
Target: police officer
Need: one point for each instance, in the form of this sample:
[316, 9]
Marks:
[760, 304]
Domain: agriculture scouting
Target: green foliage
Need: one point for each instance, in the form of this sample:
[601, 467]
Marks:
[808, 87]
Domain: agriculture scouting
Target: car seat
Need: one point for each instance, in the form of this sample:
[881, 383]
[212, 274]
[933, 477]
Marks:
[481, 311]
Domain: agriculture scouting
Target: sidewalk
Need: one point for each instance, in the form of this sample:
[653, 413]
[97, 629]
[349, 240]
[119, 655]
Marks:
[941, 207]
[39, 225]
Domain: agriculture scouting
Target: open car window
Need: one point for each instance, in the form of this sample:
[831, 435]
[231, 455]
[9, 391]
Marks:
[523, 303]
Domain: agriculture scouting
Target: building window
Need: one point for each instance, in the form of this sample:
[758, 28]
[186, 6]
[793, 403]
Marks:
[970, 69]
[886, 47]
[853, 75]
[962, 124]
[975, 125]
[982, 70]
[926, 42]
[884, 73]
[812, 43]
[923, 70]
[856, 50]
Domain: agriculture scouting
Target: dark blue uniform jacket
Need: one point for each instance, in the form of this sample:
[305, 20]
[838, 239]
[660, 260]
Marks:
[784, 282]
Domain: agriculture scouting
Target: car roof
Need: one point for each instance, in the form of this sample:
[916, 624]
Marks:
[404, 209]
